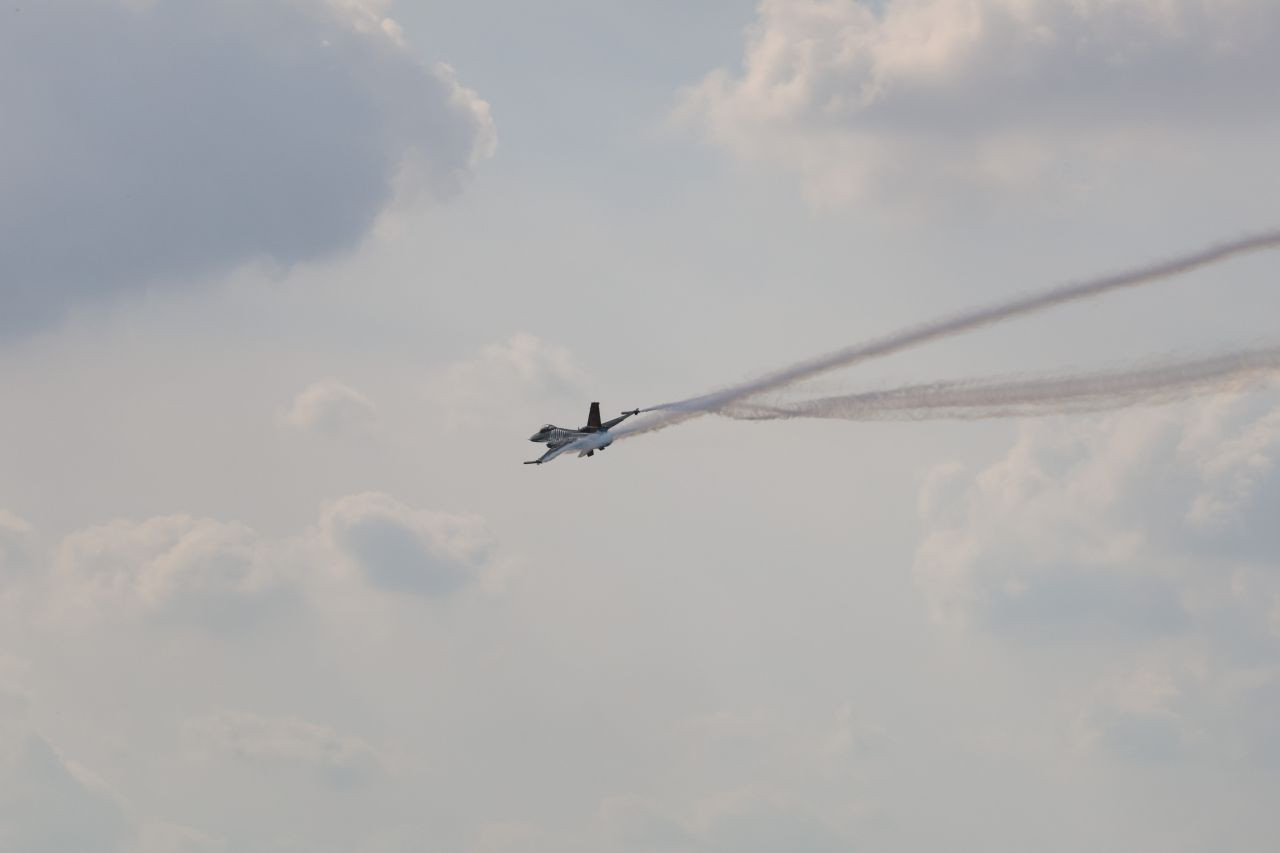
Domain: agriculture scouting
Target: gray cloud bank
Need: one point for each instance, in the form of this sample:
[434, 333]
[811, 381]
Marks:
[146, 141]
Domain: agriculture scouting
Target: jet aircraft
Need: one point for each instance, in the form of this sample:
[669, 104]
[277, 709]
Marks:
[592, 437]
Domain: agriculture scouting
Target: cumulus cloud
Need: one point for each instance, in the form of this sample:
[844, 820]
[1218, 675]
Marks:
[168, 140]
[199, 570]
[406, 550]
[515, 371]
[330, 408]
[1192, 706]
[194, 652]
[917, 97]
[1095, 534]
[222, 576]
[287, 742]
[1105, 523]
[1233, 471]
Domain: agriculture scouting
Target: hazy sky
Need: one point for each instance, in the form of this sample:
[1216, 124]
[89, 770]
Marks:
[286, 284]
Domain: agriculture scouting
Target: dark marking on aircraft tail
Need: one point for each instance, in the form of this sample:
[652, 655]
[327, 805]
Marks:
[593, 417]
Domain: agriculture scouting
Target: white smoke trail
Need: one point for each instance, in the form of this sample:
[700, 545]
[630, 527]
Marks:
[682, 410]
[1012, 397]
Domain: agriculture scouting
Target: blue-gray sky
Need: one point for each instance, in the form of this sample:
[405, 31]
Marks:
[287, 284]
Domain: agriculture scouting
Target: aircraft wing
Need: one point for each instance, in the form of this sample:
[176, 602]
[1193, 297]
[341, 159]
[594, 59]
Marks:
[613, 423]
[553, 450]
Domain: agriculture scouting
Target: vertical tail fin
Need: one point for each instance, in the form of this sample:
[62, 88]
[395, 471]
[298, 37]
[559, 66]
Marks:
[593, 417]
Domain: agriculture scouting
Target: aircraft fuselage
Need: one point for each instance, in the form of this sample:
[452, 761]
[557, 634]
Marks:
[573, 439]
[585, 441]
[555, 435]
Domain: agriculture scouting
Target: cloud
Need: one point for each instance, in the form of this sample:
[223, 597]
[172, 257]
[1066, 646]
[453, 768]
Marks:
[1135, 717]
[50, 806]
[1194, 706]
[914, 99]
[747, 821]
[735, 821]
[223, 577]
[160, 837]
[287, 742]
[516, 371]
[164, 141]
[1090, 537]
[15, 698]
[400, 549]
[1234, 471]
[195, 652]
[15, 543]
[192, 570]
[330, 408]
[636, 823]
[1102, 525]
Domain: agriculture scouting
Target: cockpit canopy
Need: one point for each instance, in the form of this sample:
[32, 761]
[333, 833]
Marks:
[546, 428]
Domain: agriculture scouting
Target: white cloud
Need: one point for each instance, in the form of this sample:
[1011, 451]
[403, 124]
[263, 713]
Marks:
[522, 358]
[211, 668]
[918, 98]
[284, 741]
[1190, 706]
[1233, 469]
[213, 573]
[1090, 537]
[503, 375]
[1104, 523]
[406, 550]
[222, 576]
[330, 408]
[168, 140]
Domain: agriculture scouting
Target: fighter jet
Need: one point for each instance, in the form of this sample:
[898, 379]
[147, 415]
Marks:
[592, 437]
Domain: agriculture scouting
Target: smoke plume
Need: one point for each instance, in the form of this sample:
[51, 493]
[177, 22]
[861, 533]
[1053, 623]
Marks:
[995, 397]
[668, 414]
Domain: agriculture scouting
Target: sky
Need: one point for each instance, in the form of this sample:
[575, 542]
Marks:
[285, 285]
